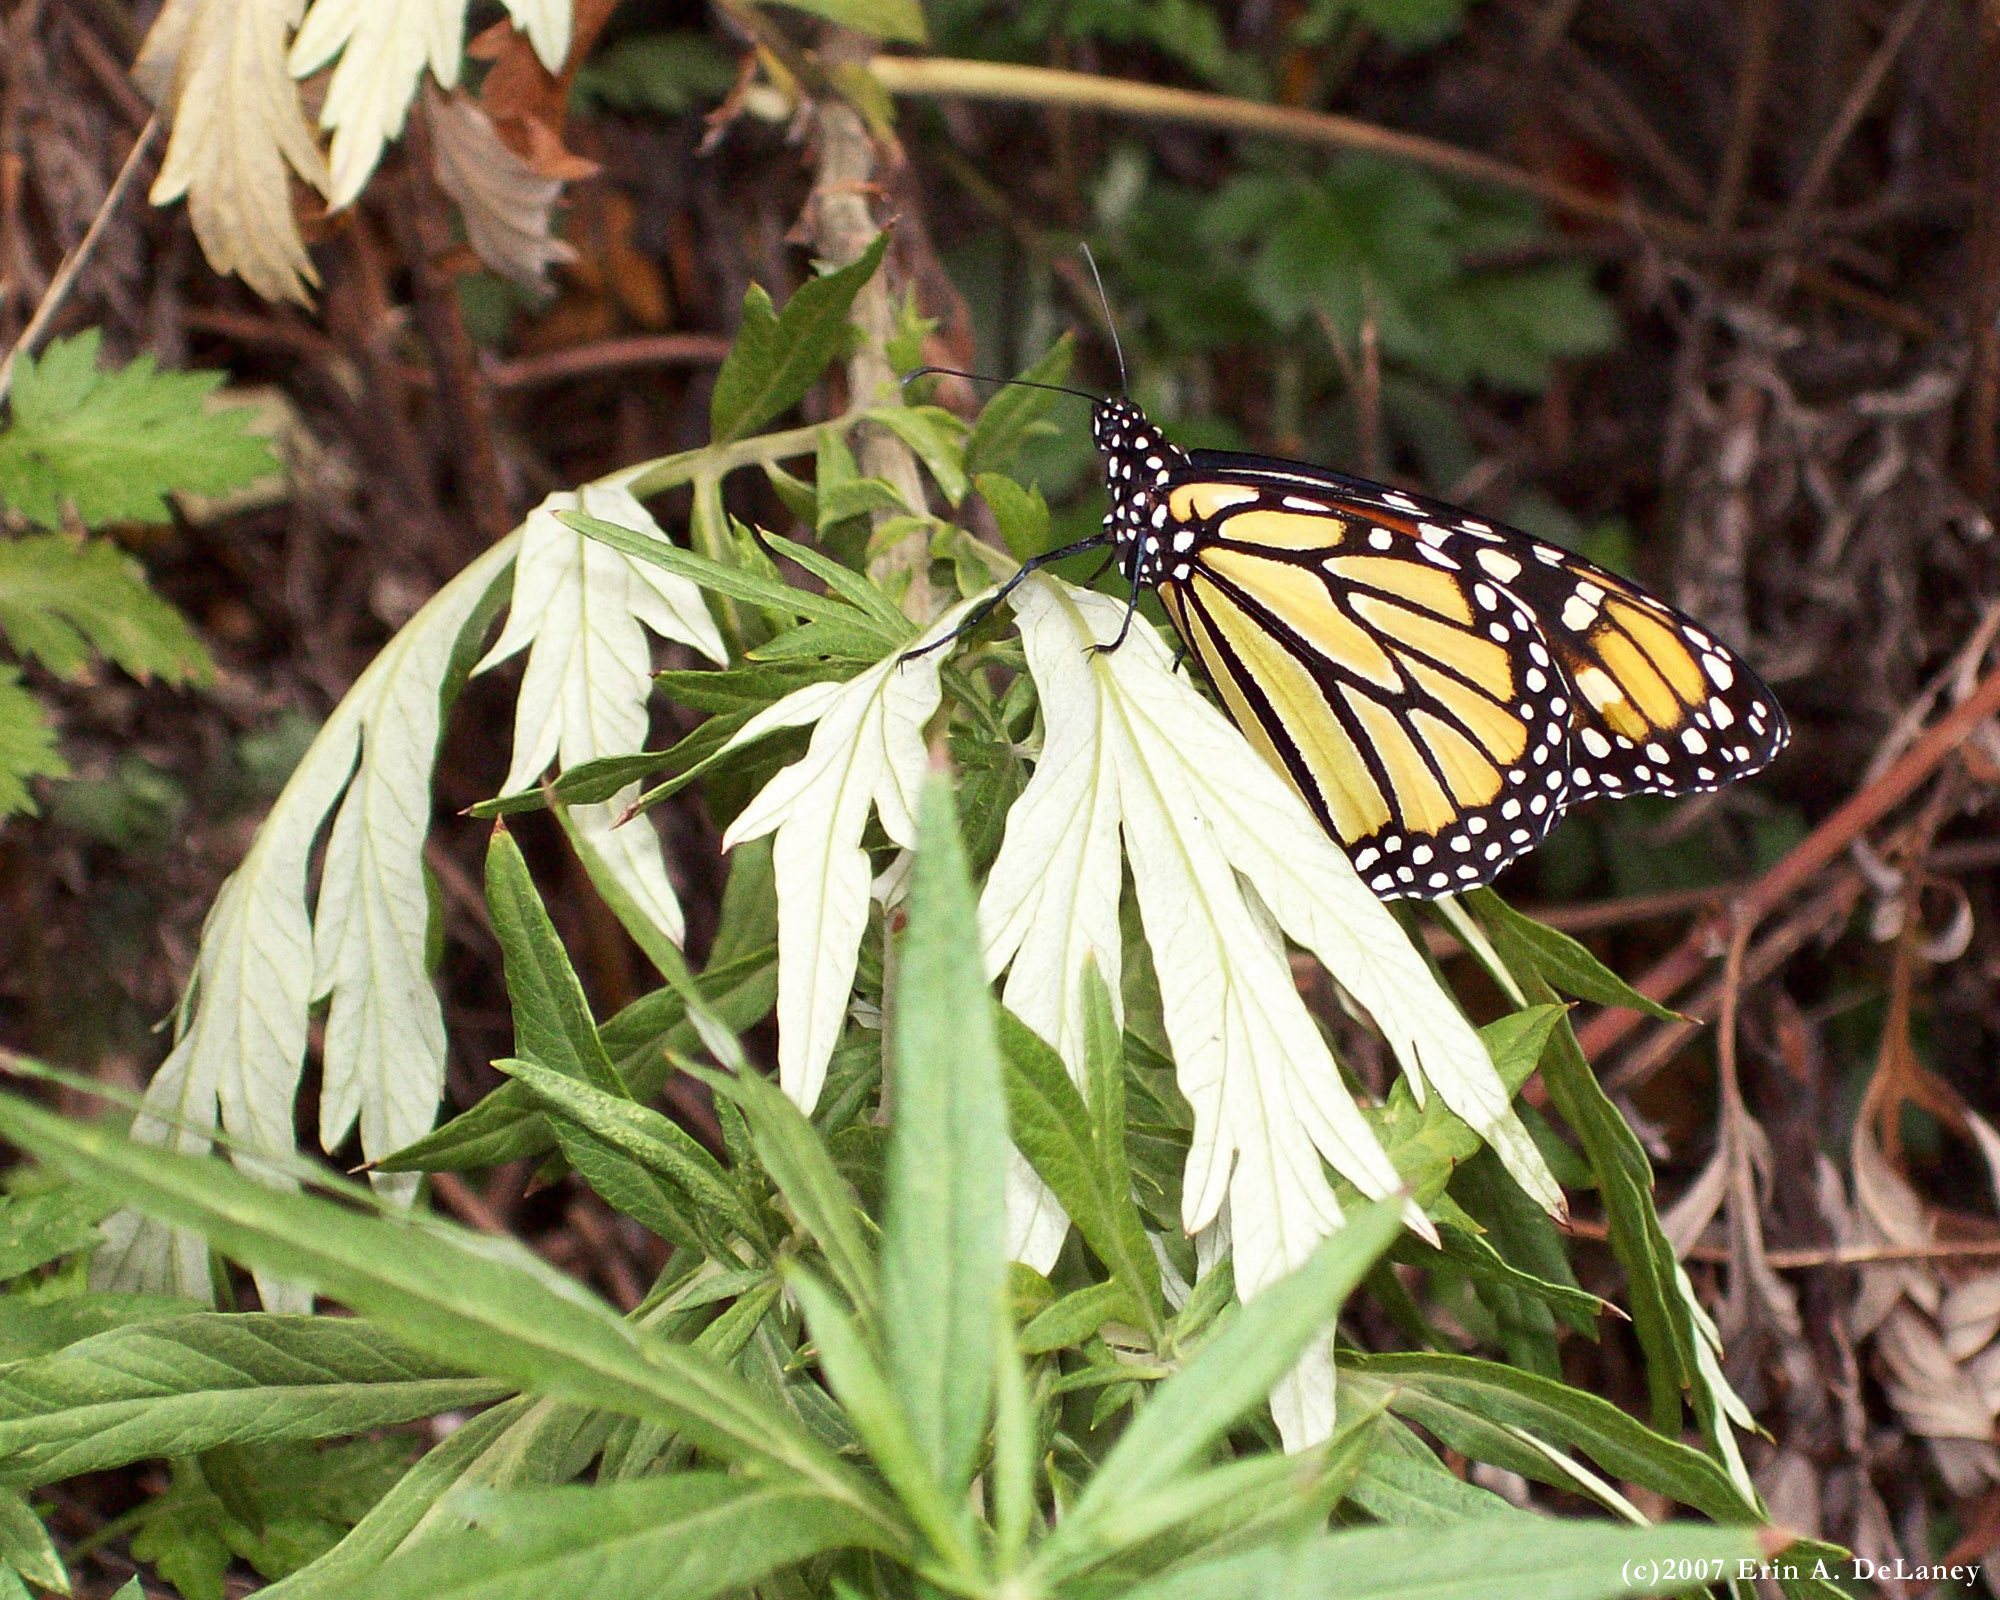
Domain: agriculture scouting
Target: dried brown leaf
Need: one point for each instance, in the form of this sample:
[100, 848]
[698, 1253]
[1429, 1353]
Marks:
[217, 68]
[508, 206]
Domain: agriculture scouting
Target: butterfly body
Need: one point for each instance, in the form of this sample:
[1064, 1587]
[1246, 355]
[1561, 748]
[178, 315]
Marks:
[1439, 688]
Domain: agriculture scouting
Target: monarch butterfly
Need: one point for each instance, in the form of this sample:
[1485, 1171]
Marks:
[1438, 688]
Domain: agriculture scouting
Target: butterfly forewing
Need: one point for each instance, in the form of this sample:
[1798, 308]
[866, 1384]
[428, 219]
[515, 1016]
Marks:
[1438, 688]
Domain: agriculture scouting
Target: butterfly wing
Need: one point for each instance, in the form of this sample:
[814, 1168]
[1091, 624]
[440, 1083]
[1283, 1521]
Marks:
[1439, 689]
[1390, 689]
[1662, 706]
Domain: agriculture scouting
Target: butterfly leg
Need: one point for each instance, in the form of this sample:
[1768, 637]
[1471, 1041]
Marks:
[997, 598]
[1131, 611]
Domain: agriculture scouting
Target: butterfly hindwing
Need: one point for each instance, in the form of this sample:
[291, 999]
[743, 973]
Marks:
[1663, 707]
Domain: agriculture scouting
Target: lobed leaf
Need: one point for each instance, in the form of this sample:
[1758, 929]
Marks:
[63, 601]
[27, 744]
[778, 356]
[111, 446]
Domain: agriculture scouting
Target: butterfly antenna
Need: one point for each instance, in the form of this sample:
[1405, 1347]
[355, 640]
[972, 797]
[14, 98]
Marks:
[1110, 321]
[980, 377]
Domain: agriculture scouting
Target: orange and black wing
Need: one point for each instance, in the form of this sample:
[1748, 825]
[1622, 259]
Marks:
[1440, 689]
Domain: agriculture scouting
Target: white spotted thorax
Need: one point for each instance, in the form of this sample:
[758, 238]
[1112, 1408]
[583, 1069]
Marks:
[1439, 688]
[1139, 463]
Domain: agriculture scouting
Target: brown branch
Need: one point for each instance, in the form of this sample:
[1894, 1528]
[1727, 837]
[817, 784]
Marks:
[363, 323]
[843, 226]
[1853, 109]
[1982, 418]
[73, 264]
[109, 72]
[425, 236]
[468, 1204]
[1805, 860]
[941, 77]
[608, 355]
[1753, 72]
[1760, 961]
[1799, 1260]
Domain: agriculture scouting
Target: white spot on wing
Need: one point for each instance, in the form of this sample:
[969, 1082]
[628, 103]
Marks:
[1578, 613]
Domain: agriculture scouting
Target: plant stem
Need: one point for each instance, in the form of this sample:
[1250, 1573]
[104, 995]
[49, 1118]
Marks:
[843, 227]
[943, 77]
[66, 275]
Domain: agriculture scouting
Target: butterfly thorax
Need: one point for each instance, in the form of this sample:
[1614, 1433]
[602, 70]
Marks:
[1140, 465]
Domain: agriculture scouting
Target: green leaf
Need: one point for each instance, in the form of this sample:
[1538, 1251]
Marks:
[1540, 1558]
[110, 446]
[182, 1537]
[552, 1021]
[795, 1159]
[1011, 417]
[25, 1545]
[1052, 1128]
[398, 1513]
[1478, 1259]
[849, 585]
[63, 599]
[1517, 1040]
[1231, 1373]
[1075, 1317]
[647, 1137]
[1563, 963]
[1023, 514]
[944, 1211]
[899, 20]
[857, 497]
[749, 920]
[277, 1506]
[680, 1537]
[626, 1186]
[737, 583]
[777, 357]
[1510, 328]
[180, 1386]
[936, 436]
[27, 744]
[1016, 1441]
[1254, 1501]
[507, 1126]
[38, 1228]
[876, 1413]
[1403, 1483]
[35, 1327]
[640, 923]
[485, 1305]
[1467, 1403]
[671, 73]
[1660, 1317]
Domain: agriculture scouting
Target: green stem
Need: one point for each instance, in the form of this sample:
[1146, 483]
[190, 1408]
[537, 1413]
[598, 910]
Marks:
[668, 472]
